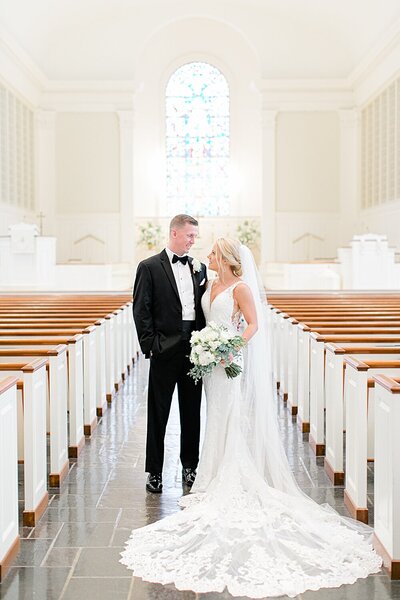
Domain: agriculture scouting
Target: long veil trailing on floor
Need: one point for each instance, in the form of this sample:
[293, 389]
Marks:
[250, 528]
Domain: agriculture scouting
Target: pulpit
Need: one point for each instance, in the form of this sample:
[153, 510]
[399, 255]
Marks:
[369, 263]
[27, 260]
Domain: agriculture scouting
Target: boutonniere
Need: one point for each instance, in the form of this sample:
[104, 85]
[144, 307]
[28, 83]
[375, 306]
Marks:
[196, 265]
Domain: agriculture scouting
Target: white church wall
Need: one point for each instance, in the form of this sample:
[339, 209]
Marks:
[92, 238]
[87, 163]
[307, 155]
[307, 185]
[303, 236]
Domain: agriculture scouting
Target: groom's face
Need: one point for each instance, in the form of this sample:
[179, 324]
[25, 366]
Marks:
[183, 238]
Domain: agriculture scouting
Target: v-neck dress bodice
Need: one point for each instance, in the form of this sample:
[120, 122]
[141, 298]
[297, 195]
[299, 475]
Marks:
[221, 309]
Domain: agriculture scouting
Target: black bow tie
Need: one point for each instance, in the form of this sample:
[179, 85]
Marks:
[182, 259]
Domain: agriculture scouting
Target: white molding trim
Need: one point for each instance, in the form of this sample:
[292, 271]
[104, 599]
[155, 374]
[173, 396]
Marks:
[87, 102]
[378, 53]
[21, 59]
[379, 67]
[305, 94]
[89, 95]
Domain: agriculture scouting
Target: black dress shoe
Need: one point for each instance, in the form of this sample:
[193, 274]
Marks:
[188, 476]
[154, 483]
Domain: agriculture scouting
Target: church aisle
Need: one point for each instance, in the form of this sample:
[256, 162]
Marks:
[73, 553]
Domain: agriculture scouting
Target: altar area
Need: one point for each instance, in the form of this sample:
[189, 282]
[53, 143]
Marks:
[367, 263]
[28, 262]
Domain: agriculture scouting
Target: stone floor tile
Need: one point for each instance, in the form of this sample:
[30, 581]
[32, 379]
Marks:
[98, 588]
[60, 557]
[32, 552]
[100, 562]
[28, 583]
[85, 534]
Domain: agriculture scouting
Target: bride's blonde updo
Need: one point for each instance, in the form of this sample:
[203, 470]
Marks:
[229, 250]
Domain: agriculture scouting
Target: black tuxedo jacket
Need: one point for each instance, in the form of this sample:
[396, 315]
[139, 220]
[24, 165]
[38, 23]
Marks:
[157, 309]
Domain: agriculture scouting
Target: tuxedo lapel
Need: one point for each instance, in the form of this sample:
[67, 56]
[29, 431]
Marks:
[195, 282]
[168, 270]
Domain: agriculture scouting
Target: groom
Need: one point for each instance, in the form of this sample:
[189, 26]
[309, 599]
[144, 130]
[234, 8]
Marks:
[167, 308]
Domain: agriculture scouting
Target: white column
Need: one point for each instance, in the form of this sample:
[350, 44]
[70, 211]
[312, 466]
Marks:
[126, 186]
[268, 224]
[45, 168]
[349, 173]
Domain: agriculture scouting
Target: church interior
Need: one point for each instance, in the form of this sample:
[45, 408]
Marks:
[274, 122]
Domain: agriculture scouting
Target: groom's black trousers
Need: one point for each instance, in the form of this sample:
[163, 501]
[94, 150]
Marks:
[164, 374]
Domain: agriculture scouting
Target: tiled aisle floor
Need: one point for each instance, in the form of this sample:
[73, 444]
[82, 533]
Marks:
[73, 553]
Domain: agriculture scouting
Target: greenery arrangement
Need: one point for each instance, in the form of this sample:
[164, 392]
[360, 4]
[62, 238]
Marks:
[150, 235]
[248, 233]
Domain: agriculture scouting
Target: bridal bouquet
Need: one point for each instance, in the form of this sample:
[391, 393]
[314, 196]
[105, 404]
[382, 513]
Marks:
[212, 345]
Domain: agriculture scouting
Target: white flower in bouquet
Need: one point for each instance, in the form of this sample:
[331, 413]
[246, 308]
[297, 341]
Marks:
[211, 346]
[206, 358]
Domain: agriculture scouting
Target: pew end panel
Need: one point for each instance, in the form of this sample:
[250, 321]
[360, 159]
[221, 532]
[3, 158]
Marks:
[292, 370]
[387, 473]
[334, 398]
[358, 386]
[317, 395]
[334, 416]
[75, 396]
[303, 384]
[9, 534]
[35, 459]
[101, 397]
[58, 374]
[89, 380]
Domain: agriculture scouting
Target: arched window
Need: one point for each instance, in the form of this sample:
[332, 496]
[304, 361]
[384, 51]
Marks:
[197, 126]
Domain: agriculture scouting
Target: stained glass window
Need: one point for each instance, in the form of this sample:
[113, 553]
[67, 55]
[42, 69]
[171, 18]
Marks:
[197, 124]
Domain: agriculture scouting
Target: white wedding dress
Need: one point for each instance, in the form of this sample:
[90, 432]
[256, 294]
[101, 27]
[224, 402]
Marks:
[236, 531]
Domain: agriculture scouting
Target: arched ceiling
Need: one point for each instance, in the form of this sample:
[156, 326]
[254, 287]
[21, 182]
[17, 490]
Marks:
[103, 39]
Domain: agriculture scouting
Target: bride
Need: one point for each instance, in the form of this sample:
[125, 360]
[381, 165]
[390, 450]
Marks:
[246, 526]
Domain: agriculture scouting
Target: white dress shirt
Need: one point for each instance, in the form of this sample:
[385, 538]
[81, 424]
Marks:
[184, 283]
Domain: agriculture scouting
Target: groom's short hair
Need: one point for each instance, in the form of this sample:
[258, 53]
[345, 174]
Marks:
[180, 221]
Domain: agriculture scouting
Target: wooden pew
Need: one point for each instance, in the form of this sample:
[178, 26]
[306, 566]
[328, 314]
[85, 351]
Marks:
[387, 473]
[76, 437]
[31, 393]
[284, 329]
[38, 336]
[9, 533]
[57, 400]
[114, 346]
[311, 381]
[334, 399]
[359, 404]
[88, 355]
[317, 383]
[125, 345]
